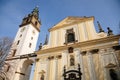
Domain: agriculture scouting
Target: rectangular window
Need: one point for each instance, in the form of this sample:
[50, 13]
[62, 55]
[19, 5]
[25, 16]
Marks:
[14, 52]
[18, 42]
[30, 45]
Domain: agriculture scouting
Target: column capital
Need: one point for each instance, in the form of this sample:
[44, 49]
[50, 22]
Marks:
[51, 57]
[76, 49]
[102, 50]
[83, 52]
[94, 51]
[59, 56]
[65, 51]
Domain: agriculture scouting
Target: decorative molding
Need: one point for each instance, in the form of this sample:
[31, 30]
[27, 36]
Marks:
[59, 56]
[51, 57]
[84, 44]
[94, 51]
[83, 52]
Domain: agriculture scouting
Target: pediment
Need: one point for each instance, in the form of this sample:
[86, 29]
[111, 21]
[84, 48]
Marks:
[71, 20]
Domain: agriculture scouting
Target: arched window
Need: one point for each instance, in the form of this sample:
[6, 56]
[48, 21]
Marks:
[70, 37]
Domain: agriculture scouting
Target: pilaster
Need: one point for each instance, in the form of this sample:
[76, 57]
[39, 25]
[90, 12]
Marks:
[64, 58]
[91, 66]
[102, 52]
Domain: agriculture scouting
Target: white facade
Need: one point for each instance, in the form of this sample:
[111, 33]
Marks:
[24, 45]
[29, 36]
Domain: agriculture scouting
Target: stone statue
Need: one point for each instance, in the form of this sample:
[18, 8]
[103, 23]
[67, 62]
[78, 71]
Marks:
[72, 60]
[42, 77]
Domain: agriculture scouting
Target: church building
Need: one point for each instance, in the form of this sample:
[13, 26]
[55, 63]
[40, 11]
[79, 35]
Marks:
[73, 51]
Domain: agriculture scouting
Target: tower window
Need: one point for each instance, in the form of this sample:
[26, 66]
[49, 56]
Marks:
[21, 35]
[14, 52]
[18, 42]
[31, 38]
[8, 67]
[30, 45]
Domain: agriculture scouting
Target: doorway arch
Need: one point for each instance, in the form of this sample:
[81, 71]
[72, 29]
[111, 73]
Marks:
[26, 69]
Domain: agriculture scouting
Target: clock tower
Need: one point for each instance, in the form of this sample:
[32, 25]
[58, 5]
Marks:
[24, 43]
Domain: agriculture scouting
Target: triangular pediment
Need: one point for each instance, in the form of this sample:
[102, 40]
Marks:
[71, 20]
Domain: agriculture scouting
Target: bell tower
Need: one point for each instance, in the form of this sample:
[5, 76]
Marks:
[24, 44]
[27, 35]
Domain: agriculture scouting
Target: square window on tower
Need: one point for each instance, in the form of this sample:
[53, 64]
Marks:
[18, 42]
[30, 44]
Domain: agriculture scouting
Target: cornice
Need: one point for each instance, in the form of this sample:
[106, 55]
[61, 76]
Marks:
[84, 44]
[31, 24]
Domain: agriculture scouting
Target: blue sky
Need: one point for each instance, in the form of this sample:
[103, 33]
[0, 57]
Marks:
[107, 12]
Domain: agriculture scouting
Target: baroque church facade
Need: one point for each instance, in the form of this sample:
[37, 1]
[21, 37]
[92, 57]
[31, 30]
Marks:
[73, 51]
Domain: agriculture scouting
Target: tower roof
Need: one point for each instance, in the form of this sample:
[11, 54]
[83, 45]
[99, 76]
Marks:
[32, 18]
[35, 12]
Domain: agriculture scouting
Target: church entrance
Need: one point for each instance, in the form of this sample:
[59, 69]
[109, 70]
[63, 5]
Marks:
[72, 74]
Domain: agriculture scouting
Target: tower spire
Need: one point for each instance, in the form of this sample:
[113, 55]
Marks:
[46, 40]
[100, 28]
[35, 12]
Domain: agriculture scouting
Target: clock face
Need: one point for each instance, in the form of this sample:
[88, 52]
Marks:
[22, 29]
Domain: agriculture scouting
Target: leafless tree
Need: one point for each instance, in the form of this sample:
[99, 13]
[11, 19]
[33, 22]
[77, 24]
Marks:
[5, 44]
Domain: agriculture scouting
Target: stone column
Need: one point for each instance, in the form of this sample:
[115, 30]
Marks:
[51, 60]
[65, 59]
[82, 67]
[48, 70]
[55, 69]
[59, 68]
[91, 67]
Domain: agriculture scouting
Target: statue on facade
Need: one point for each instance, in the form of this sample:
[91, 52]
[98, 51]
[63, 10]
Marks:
[72, 61]
[42, 77]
